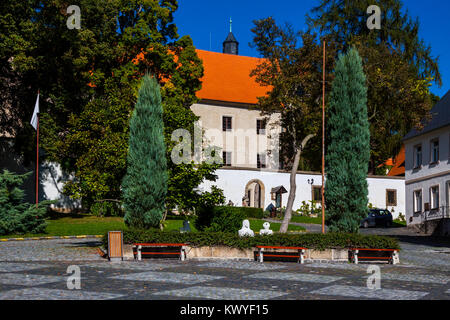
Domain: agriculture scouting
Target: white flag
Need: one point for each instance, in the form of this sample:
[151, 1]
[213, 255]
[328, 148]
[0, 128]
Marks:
[34, 119]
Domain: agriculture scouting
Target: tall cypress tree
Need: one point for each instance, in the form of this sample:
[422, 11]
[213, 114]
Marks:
[145, 183]
[349, 147]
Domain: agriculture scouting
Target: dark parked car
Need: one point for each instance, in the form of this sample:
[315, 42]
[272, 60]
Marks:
[377, 217]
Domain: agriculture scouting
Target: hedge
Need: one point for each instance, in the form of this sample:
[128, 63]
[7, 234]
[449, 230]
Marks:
[311, 240]
[225, 218]
[251, 212]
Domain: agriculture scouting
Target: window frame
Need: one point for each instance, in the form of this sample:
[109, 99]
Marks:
[225, 158]
[313, 188]
[432, 204]
[260, 165]
[391, 204]
[415, 164]
[415, 209]
[432, 160]
[261, 130]
[225, 124]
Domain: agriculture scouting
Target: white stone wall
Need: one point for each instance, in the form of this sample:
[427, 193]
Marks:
[52, 183]
[233, 182]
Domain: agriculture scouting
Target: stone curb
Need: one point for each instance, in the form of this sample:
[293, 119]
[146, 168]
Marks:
[51, 238]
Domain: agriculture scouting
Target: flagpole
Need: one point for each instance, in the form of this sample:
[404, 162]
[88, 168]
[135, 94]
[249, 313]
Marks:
[323, 142]
[37, 160]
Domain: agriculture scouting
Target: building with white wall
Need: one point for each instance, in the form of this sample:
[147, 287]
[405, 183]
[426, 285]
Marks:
[228, 114]
[238, 182]
[427, 168]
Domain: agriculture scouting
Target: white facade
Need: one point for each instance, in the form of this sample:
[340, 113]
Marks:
[242, 141]
[425, 176]
[243, 182]
[235, 182]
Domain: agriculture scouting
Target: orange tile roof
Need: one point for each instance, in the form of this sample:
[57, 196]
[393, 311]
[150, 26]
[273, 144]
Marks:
[227, 78]
[398, 168]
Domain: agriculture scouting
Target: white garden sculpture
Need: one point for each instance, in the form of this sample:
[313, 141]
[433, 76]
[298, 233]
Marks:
[266, 230]
[246, 231]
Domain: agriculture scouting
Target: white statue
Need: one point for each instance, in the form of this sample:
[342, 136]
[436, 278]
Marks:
[246, 231]
[266, 230]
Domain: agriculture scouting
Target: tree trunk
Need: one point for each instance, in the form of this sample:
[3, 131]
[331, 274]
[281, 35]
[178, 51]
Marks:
[293, 185]
[161, 223]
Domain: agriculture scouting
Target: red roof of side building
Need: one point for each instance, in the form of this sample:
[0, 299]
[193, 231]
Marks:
[227, 78]
[398, 164]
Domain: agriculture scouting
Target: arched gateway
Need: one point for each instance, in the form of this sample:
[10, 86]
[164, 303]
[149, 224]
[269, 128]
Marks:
[254, 194]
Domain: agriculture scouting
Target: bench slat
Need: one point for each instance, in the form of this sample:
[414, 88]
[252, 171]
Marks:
[159, 253]
[277, 255]
[374, 249]
[160, 244]
[375, 258]
[278, 247]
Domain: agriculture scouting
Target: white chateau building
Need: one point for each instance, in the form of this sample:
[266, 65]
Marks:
[427, 172]
[251, 172]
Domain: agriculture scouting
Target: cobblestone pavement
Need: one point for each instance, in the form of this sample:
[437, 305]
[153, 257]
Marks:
[418, 249]
[38, 270]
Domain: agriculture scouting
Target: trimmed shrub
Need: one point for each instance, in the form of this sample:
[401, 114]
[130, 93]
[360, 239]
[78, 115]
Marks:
[220, 219]
[225, 218]
[107, 209]
[311, 240]
[249, 212]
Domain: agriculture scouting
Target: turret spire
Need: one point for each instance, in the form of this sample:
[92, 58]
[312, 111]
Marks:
[230, 45]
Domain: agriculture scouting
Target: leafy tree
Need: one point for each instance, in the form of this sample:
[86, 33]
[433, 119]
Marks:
[98, 137]
[145, 183]
[348, 152]
[347, 19]
[398, 64]
[397, 100]
[17, 216]
[89, 80]
[294, 75]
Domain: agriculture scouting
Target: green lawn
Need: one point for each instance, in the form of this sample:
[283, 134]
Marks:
[399, 223]
[76, 225]
[303, 219]
[83, 224]
[256, 225]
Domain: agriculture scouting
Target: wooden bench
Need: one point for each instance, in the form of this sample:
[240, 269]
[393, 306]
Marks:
[181, 252]
[300, 256]
[364, 254]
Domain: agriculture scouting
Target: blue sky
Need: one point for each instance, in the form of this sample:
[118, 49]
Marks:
[207, 22]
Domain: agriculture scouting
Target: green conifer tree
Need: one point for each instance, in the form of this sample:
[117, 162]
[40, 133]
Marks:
[349, 146]
[145, 183]
[17, 216]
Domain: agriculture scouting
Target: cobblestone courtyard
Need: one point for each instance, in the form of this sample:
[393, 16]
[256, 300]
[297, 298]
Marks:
[38, 270]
